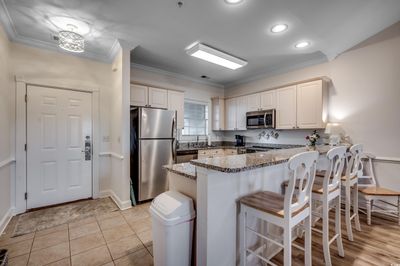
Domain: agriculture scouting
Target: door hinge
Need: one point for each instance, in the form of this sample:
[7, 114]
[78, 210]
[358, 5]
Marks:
[26, 147]
[26, 195]
[26, 98]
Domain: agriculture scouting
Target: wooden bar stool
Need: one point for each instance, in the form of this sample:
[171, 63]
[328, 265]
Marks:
[327, 191]
[284, 211]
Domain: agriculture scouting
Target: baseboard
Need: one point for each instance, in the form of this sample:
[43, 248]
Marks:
[6, 219]
[122, 205]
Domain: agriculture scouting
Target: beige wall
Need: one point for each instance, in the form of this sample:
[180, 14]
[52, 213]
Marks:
[364, 97]
[6, 125]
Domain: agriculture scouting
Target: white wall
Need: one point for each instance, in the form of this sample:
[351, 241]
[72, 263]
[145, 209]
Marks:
[364, 96]
[6, 131]
[193, 90]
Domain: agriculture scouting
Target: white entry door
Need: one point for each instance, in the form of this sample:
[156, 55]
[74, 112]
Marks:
[59, 146]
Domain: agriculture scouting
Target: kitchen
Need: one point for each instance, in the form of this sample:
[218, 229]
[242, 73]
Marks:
[104, 107]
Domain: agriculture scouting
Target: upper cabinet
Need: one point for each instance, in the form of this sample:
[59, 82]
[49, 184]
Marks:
[230, 114]
[301, 106]
[139, 95]
[241, 110]
[176, 101]
[158, 98]
[253, 102]
[268, 100]
[235, 115]
[218, 114]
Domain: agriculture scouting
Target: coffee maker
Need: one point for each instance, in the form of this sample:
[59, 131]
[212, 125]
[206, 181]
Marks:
[239, 140]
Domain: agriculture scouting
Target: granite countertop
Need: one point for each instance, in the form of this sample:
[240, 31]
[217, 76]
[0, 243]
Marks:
[185, 169]
[245, 162]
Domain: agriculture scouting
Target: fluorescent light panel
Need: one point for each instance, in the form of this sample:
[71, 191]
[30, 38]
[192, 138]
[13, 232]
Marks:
[212, 55]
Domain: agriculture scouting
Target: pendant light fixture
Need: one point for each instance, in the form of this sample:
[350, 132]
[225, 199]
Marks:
[71, 41]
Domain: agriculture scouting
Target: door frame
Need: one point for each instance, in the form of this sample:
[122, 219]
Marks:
[21, 86]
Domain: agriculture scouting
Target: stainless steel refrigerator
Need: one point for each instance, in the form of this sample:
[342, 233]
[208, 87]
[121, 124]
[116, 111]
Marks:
[153, 143]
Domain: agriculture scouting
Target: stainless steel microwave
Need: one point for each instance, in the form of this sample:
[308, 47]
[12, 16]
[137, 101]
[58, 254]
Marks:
[260, 119]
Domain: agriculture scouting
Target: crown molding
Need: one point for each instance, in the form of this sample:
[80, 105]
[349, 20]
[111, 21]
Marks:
[175, 75]
[13, 36]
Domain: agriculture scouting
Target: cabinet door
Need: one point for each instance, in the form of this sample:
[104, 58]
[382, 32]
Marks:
[241, 109]
[309, 105]
[139, 95]
[176, 102]
[218, 114]
[230, 114]
[268, 100]
[253, 102]
[286, 108]
[158, 98]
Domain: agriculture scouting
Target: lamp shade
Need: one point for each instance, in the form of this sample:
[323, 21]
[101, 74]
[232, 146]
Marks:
[333, 129]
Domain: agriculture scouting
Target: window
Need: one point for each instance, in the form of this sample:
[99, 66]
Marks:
[195, 119]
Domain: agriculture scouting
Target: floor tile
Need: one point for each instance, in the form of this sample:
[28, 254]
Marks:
[135, 214]
[150, 249]
[108, 215]
[50, 239]
[140, 225]
[111, 222]
[146, 237]
[49, 255]
[51, 230]
[83, 230]
[93, 257]
[138, 258]
[87, 242]
[82, 222]
[117, 233]
[145, 206]
[19, 261]
[13, 240]
[19, 248]
[124, 246]
[63, 262]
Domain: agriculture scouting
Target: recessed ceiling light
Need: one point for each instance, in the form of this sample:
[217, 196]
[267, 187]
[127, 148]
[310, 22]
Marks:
[279, 28]
[233, 2]
[302, 44]
[215, 56]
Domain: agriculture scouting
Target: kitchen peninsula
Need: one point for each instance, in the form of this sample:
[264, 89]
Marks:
[219, 183]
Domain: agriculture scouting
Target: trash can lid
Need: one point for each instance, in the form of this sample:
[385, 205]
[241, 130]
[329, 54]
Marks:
[173, 207]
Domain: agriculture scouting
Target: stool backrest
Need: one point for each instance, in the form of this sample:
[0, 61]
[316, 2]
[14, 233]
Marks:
[333, 174]
[354, 164]
[301, 167]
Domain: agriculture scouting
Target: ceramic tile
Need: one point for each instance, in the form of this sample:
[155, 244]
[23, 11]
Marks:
[138, 258]
[51, 230]
[111, 222]
[85, 229]
[19, 248]
[135, 214]
[140, 225]
[146, 237]
[82, 222]
[117, 233]
[13, 240]
[150, 249]
[19, 261]
[87, 242]
[108, 215]
[49, 255]
[93, 257]
[63, 262]
[50, 239]
[124, 246]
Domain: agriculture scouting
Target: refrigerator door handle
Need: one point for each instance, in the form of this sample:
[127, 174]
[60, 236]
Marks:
[173, 131]
[173, 149]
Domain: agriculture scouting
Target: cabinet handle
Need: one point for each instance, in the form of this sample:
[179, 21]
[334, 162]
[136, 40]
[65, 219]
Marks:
[293, 127]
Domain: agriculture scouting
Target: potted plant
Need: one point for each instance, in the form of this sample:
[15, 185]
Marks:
[312, 139]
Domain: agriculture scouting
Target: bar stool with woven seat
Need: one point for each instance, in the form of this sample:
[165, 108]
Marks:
[350, 183]
[284, 211]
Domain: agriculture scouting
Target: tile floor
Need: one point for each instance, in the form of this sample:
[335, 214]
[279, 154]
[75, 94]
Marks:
[114, 238]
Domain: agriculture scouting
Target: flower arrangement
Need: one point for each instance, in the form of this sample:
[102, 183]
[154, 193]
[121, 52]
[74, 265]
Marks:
[312, 139]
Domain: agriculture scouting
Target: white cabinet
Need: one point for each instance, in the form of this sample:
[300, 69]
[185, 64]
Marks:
[158, 98]
[286, 108]
[268, 100]
[139, 95]
[218, 114]
[311, 98]
[241, 109]
[301, 106]
[253, 102]
[176, 102]
[230, 114]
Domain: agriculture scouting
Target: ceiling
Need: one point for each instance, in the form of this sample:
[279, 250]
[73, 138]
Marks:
[163, 30]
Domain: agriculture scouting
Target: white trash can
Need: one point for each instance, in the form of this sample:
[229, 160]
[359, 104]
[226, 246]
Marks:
[172, 222]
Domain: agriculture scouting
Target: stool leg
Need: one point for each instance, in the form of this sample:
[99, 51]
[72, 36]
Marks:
[287, 245]
[242, 237]
[338, 228]
[348, 214]
[307, 241]
[355, 207]
[325, 231]
[368, 211]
